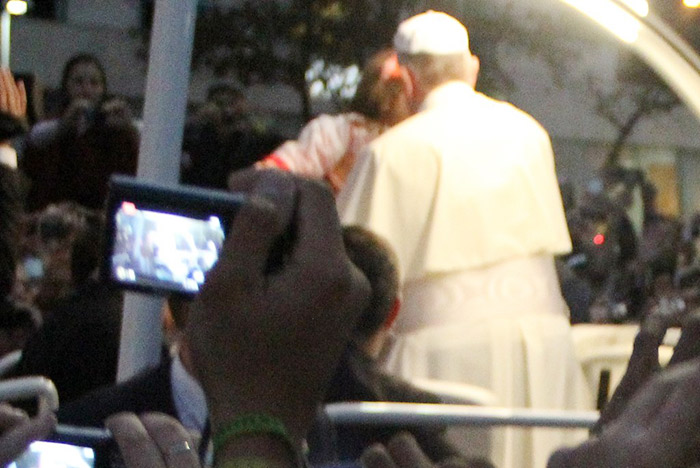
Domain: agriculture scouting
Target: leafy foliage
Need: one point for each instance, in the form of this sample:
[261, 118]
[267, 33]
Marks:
[279, 41]
[271, 41]
[267, 41]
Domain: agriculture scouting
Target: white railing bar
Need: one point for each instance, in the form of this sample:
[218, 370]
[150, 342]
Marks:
[375, 413]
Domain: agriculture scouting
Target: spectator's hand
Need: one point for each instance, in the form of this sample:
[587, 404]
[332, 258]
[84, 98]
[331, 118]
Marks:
[267, 340]
[659, 427]
[78, 116]
[13, 95]
[116, 113]
[688, 346]
[644, 362]
[19, 430]
[153, 440]
[403, 451]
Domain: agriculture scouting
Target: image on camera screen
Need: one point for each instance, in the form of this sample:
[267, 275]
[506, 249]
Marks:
[56, 455]
[157, 249]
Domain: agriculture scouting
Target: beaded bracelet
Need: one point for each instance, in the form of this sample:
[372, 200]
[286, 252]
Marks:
[253, 424]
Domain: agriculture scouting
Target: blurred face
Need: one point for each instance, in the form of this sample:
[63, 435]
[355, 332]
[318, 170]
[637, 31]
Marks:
[232, 106]
[85, 82]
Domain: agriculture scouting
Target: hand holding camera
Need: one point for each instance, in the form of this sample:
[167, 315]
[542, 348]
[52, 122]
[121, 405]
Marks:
[79, 116]
[282, 329]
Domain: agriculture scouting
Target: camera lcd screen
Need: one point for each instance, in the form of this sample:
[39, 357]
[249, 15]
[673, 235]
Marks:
[56, 455]
[162, 250]
[163, 239]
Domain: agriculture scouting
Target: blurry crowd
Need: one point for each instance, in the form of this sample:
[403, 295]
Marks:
[75, 138]
[628, 258]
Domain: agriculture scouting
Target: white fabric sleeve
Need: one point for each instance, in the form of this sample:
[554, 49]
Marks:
[321, 144]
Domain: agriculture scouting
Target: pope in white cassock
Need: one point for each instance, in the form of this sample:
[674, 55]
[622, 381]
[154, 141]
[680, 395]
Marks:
[466, 193]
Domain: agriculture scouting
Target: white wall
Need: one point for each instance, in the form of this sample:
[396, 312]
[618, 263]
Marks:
[123, 14]
[43, 47]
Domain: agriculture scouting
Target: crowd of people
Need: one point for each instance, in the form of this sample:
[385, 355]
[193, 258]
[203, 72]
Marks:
[426, 224]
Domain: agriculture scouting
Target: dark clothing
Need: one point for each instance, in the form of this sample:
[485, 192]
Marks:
[10, 214]
[214, 156]
[77, 347]
[64, 165]
[359, 379]
[576, 291]
[148, 391]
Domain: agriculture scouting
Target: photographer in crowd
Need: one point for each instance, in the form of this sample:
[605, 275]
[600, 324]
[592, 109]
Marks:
[72, 156]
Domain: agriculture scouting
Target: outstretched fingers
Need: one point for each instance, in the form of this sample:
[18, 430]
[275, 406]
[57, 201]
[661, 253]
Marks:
[13, 96]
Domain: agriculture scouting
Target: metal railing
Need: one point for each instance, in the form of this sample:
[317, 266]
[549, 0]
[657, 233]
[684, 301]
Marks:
[375, 413]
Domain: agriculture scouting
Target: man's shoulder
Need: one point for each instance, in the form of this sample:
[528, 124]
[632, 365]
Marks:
[481, 111]
[409, 135]
[509, 115]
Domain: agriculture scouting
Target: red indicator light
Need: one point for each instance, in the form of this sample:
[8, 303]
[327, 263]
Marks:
[128, 208]
[599, 239]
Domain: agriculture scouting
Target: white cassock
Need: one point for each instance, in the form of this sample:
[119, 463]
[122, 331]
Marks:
[466, 193]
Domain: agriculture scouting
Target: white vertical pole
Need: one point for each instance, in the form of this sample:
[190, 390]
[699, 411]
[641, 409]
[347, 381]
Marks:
[159, 160]
[5, 22]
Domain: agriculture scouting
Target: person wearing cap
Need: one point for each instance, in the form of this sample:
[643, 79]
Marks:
[465, 192]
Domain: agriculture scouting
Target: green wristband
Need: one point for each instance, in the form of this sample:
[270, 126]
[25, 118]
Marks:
[253, 424]
[247, 462]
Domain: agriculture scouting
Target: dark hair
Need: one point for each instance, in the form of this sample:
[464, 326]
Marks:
[80, 229]
[377, 97]
[434, 70]
[79, 60]
[63, 100]
[223, 87]
[378, 262]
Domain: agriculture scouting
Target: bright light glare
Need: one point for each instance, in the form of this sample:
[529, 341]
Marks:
[328, 80]
[16, 7]
[692, 3]
[641, 7]
[614, 18]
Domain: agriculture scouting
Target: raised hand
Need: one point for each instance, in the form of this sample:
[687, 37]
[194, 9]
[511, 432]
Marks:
[658, 427]
[266, 338]
[644, 362]
[13, 95]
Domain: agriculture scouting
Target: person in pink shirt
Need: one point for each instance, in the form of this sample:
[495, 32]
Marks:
[328, 145]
